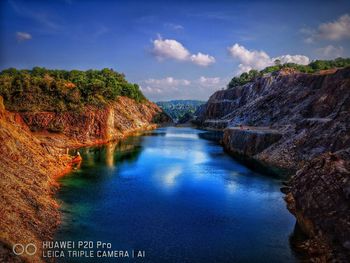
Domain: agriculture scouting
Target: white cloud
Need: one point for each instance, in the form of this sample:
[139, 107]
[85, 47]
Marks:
[249, 59]
[168, 81]
[150, 91]
[255, 59]
[335, 30]
[169, 48]
[172, 26]
[298, 59]
[206, 81]
[330, 52]
[172, 88]
[172, 49]
[202, 59]
[23, 36]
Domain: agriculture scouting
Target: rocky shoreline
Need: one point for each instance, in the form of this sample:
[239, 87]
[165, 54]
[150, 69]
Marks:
[35, 156]
[298, 122]
[318, 196]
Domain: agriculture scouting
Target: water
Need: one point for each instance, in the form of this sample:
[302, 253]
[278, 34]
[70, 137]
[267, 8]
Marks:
[179, 198]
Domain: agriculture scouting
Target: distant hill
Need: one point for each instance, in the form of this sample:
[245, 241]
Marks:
[177, 109]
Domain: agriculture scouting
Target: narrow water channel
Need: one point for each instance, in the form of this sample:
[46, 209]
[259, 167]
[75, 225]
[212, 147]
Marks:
[179, 198]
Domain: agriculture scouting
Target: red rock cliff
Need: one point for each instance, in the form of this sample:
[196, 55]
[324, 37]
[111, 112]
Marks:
[94, 125]
[28, 167]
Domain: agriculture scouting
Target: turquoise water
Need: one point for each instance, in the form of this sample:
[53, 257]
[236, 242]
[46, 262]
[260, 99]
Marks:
[179, 198]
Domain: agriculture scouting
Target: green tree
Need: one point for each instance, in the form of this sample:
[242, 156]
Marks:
[277, 62]
[59, 90]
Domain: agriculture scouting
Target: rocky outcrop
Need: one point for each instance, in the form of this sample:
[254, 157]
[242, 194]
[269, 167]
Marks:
[319, 197]
[311, 115]
[94, 125]
[311, 111]
[249, 141]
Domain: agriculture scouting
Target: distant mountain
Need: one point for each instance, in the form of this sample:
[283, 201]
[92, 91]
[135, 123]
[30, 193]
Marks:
[177, 109]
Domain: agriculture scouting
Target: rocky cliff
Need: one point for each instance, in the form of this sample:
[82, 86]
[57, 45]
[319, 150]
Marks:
[32, 147]
[319, 197]
[28, 212]
[94, 125]
[294, 121]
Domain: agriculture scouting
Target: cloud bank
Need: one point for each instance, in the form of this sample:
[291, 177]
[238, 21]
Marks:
[202, 59]
[172, 49]
[333, 31]
[168, 82]
[330, 52]
[172, 88]
[255, 59]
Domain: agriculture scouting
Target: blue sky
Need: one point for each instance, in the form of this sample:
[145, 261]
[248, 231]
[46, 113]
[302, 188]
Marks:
[173, 49]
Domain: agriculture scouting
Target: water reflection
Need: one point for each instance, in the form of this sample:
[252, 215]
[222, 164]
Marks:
[211, 136]
[169, 176]
[112, 153]
[110, 149]
[88, 157]
[231, 187]
[177, 196]
[199, 157]
[182, 135]
[153, 133]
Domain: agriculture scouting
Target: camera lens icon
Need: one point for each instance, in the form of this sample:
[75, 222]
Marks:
[30, 249]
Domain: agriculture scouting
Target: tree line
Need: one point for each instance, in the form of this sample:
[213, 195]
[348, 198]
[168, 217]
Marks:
[41, 89]
[313, 67]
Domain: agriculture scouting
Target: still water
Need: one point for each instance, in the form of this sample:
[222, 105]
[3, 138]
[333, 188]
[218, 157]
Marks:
[178, 197]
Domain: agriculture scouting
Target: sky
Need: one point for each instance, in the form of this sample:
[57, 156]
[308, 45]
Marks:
[172, 49]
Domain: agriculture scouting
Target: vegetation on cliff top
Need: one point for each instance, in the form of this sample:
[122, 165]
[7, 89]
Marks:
[313, 67]
[43, 89]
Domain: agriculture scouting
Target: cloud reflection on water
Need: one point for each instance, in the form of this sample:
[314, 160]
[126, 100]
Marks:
[168, 177]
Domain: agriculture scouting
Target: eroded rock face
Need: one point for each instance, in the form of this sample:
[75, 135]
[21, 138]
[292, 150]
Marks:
[310, 110]
[319, 197]
[94, 125]
[311, 114]
[249, 141]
